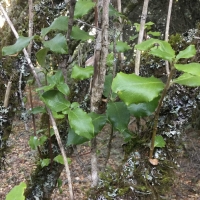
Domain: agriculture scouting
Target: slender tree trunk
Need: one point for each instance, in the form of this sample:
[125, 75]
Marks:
[167, 32]
[141, 34]
[30, 31]
[101, 52]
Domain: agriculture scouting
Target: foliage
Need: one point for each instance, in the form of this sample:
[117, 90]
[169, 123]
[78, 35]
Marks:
[17, 193]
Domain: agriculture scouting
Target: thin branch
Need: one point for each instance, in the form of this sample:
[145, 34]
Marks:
[30, 30]
[91, 26]
[141, 34]
[155, 125]
[7, 95]
[53, 122]
[167, 32]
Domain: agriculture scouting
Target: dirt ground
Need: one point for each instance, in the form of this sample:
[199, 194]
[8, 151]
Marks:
[21, 160]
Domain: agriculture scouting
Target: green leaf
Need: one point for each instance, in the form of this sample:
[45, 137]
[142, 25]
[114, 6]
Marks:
[113, 12]
[46, 87]
[98, 120]
[191, 68]
[189, 52]
[57, 116]
[79, 34]
[110, 60]
[159, 48]
[55, 100]
[118, 115]
[75, 105]
[64, 88]
[81, 123]
[154, 33]
[58, 44]
[163, 50]
[61, 24]
[159, 141]
[127, 135]
[45, 162]
[41, 56]
[59, 159]
[17, 193]
[188, 80]
[143, 109]
[38, 109]
[122, 46]
[80, 73]
[20, 44]
[33, 142]
[58, 77]
[146, 45]
[107, 85]
[135, 89]
[42, 139]
[83, 7]
[74, 139]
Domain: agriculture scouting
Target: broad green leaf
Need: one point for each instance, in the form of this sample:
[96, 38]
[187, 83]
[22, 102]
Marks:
[159, 141]
[43, 139]
[57, 116]
[38, 109]
[45, 162]
[163, 50]
[113, 12]
[107, 85]
[135, 89]
[143, 109]
[154, 33]
[137, 27]
[55, 100]
[58, 77]
[80, 73]
[122, 46]
[19, 45]
[64, 88]
[118, 115]
[98, 121]
[188, 80]
[75, 105]
[74, 139]
[81, 123]
[131, 38]
[58, 44]
[51, 80]
[191, 68]
[159, 48]
[127, 135]
[79, 34]
[46, 88]
[33, 142]
[52, 132]
[41, 56]
[146, 45]
[83, 7]
[59, 159]
[189, 52]
[17, 193]
[60, 23]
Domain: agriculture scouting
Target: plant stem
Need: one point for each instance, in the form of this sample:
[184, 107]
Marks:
[155, 125]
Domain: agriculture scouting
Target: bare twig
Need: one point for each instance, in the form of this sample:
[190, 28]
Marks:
[167, 32]
[30, 31]
[7, 95]
[141, 34]
[53, 122]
